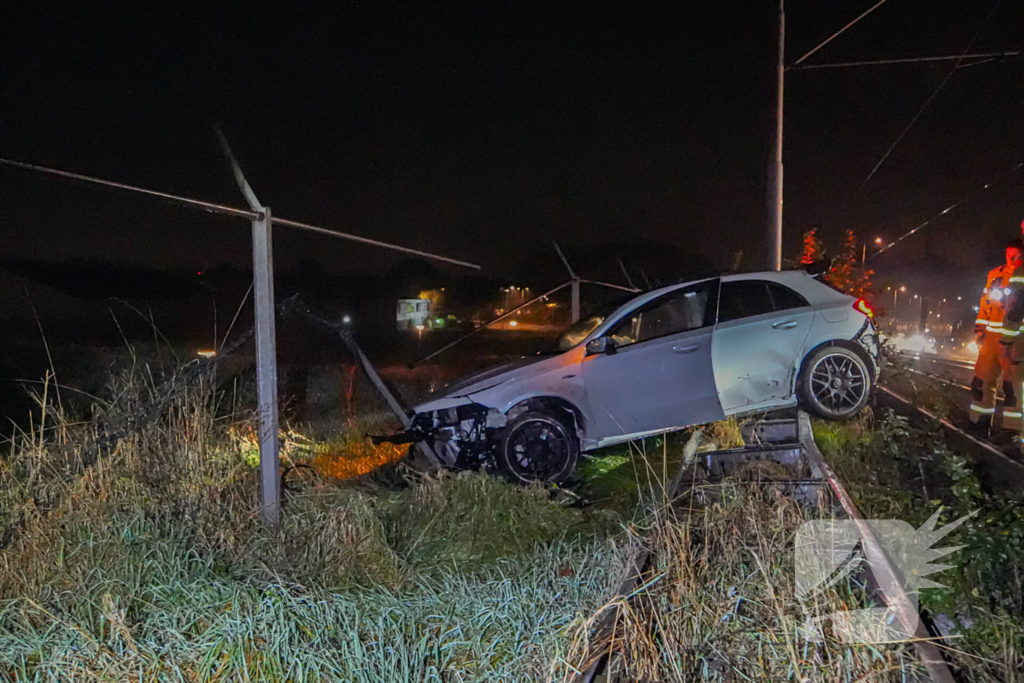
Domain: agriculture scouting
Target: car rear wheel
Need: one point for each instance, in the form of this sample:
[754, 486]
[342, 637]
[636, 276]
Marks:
[538, 446]
[835, 383]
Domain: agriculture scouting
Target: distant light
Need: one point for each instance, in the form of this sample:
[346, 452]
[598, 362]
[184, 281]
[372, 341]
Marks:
[419, 328]
[915, 296]
[959, 298]
[903, 289]
[513, 323]
[878, 240]
[199, 272]
[206, 354]
[439, 321]
[346, 319]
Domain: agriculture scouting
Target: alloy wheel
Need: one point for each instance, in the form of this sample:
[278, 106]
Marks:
[538, 450]
[838, 383]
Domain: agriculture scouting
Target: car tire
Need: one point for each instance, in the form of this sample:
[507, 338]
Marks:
[538, 446]
[834, 383]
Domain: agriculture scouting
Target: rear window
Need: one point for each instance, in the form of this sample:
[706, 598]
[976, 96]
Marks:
[784, 298]
[743, 299]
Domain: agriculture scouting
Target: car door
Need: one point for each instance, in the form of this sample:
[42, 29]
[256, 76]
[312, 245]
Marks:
[659, 375]
[758, 339]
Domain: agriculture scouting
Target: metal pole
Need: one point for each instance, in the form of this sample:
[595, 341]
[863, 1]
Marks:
[266, 367]
[575, 299]
[775, 194]
[625, 272]
[266, 351]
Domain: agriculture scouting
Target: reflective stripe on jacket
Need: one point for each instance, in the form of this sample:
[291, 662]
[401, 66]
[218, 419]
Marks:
[992, 308]
[1014, 307]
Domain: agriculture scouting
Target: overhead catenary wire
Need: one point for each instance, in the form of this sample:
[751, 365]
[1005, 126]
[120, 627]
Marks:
[235, 211]
[949, 208]
[987, 56]
[930, 98]
[839, 32]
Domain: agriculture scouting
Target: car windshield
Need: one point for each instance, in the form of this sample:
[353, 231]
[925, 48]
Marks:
[579, 330]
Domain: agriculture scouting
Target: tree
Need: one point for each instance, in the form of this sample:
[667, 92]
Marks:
[848, 273]
[813, 248]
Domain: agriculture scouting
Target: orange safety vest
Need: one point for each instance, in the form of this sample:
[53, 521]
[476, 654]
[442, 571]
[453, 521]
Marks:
[992, 308]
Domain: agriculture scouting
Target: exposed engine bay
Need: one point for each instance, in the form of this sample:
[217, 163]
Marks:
[462, 437]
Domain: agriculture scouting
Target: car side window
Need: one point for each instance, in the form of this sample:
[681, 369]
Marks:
[743, 299]
[679, 311]
[784, 298]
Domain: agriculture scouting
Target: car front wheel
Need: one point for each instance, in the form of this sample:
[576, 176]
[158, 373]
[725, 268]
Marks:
[835, 383]
[538, 446]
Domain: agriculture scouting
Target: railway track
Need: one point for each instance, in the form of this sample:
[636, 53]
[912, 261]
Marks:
[1000, 467]
[787, 442]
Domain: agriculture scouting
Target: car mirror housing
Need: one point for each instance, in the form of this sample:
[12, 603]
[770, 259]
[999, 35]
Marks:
[605, 345]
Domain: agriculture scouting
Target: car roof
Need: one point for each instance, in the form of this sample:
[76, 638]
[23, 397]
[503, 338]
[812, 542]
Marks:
[816, 292]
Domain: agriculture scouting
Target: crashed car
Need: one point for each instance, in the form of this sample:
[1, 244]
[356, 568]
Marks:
[678, 356]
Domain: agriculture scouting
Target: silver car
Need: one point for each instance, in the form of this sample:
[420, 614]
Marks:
[678, 356]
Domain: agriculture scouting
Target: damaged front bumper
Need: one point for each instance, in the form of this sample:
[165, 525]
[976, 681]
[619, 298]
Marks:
[461, 436]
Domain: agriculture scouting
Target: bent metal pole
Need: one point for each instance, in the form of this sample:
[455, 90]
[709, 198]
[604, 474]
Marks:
[266, 343]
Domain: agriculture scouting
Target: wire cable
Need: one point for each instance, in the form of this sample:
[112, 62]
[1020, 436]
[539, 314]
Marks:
[838, 33]
[932, 97]
[948, 209]
[912, 60]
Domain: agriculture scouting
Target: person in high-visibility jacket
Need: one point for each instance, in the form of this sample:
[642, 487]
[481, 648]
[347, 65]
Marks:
[993, 359]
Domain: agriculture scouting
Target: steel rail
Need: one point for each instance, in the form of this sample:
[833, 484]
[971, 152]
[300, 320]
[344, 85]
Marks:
[235, 212]
[1007, 472]
[881, 568]
[881, 572]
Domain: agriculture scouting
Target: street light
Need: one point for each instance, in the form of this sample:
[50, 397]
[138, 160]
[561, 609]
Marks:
[419, 337]
[878, 240]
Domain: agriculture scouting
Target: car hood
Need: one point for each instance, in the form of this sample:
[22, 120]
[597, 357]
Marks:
[490, 377]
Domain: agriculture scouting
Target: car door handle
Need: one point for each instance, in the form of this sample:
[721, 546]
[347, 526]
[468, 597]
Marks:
[785, 325]
[689, 348]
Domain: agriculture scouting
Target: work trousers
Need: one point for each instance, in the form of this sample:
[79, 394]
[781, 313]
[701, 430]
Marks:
[991, 366]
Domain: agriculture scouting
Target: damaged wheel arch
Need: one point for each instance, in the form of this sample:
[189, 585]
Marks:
[554, 404]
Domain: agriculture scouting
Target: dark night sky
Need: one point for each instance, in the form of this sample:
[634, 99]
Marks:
[484, 130]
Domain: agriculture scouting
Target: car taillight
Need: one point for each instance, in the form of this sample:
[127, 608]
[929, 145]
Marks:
[862, 306]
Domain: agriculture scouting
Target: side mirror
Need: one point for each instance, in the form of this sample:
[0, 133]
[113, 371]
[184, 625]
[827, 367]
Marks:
[605, 345]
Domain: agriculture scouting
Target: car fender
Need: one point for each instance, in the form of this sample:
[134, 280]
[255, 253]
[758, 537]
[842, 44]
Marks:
[846, 344]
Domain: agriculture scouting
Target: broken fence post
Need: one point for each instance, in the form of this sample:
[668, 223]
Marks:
[575, 310]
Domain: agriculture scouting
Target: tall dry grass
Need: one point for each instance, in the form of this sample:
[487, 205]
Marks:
[143, 558]
[718, 602]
